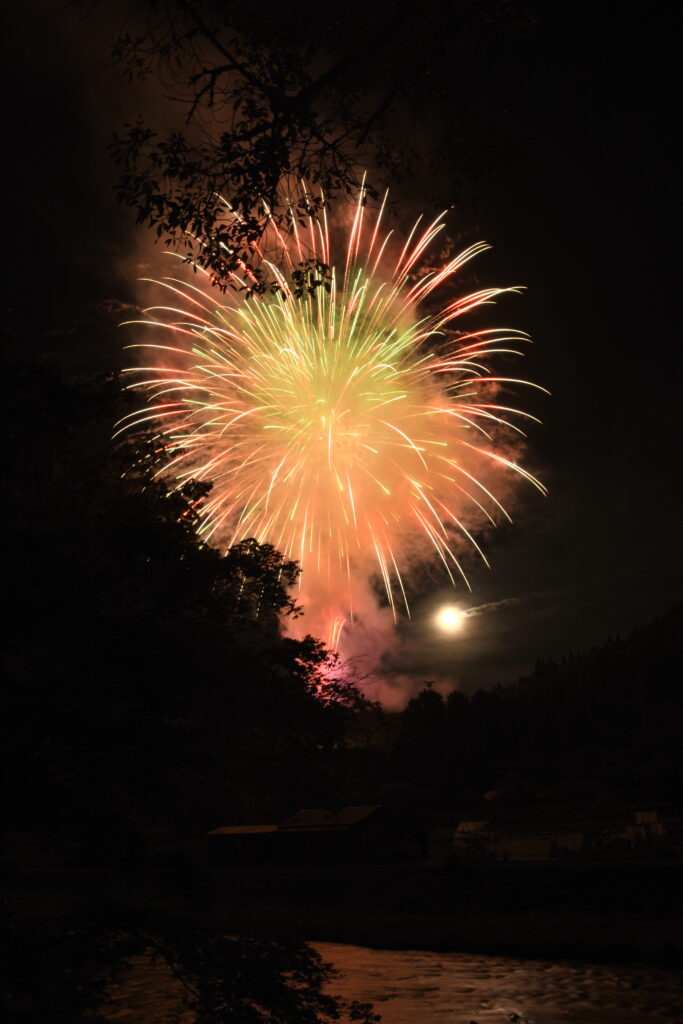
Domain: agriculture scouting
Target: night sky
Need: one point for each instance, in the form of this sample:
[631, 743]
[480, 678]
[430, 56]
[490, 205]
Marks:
[582, 213]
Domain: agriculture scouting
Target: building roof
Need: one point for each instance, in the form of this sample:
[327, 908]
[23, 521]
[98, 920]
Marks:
[242, 830]
[319, 818]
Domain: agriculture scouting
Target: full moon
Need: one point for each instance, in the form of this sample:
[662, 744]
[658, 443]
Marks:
[449, 618]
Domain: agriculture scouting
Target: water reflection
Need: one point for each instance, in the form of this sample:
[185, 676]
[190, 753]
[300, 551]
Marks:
[416, 987]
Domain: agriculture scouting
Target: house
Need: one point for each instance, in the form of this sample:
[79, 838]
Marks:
[544, 832]
[349, 835]
[316, 835]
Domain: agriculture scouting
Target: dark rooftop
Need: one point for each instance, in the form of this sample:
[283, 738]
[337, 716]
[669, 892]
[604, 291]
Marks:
[321, 818]
[241, 830]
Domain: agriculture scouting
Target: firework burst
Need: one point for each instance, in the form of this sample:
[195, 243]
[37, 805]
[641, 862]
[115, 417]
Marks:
[340, 420]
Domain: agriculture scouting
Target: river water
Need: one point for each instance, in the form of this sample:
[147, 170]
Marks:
[418, 987]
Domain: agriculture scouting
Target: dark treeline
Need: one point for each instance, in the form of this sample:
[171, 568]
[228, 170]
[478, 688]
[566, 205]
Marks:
[150, 683]
[605, 725]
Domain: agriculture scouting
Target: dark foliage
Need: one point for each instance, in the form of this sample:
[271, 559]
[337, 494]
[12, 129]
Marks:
[67, 969]
[605, 724]
[149, 691]
[149, 680]
[270, 95]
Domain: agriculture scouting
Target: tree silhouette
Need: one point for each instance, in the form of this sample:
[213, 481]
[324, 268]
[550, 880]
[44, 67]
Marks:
[603, 724]
[270, 95]
[143, 664]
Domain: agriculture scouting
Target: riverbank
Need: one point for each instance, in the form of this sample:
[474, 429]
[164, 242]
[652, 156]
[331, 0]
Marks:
[599, 913]
[603, 913]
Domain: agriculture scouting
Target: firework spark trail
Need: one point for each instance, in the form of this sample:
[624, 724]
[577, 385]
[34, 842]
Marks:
[340, 423]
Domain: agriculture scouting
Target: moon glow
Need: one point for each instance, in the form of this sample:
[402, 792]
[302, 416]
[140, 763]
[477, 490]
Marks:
[450, 619]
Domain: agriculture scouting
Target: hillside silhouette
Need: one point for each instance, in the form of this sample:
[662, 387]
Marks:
[602, 724]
